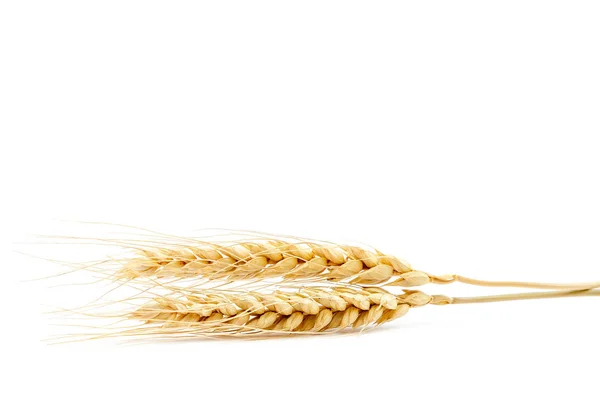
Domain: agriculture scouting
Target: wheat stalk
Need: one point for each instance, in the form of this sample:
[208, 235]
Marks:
[274, 259]
[306, 310]
[296, 262]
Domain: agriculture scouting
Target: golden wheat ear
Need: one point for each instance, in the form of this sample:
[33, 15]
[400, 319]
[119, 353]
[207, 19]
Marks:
[300, 311]
[265, 259]
[294, 261]
[307, 310]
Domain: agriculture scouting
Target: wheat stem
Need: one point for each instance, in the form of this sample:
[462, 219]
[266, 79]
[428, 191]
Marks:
[526, 296]
[297, 261]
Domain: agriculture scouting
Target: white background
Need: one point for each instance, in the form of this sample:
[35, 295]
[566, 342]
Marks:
[461, 136]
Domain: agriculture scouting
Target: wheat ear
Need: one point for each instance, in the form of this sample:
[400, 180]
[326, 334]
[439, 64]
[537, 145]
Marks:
[307, 310]
[296, 261]
[274, 259]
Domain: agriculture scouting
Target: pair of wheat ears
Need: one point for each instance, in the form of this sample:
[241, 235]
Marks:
[277, 285]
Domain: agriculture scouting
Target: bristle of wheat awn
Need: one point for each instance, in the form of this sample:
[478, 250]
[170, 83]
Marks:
[305, 310]
[274, 259]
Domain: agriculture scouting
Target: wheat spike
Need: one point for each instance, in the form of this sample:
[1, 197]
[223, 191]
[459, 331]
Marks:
[274, 259]
[307, 310]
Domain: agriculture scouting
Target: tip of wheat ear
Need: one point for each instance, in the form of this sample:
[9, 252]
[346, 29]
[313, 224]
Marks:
[274, 259]
[305, 310]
